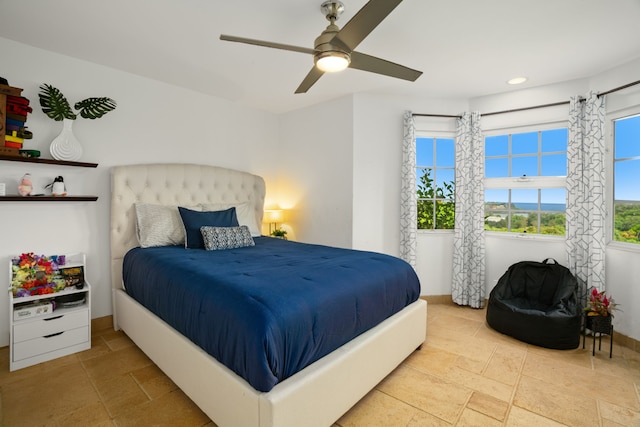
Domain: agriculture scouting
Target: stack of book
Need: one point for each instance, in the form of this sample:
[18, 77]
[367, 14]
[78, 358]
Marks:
[14, 109]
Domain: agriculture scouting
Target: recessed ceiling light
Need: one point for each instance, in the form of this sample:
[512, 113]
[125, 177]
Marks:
[517, 80]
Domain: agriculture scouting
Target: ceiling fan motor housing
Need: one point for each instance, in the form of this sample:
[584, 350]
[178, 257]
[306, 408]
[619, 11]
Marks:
[332, 9]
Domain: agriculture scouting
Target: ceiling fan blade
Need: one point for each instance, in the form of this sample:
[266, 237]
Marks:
[365, 21]
[309, 81]
[266, 44]
[364, 62]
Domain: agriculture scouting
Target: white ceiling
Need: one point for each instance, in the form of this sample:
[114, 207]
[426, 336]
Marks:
[466, 48]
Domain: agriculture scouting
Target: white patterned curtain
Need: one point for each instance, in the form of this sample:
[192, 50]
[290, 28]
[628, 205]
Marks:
[468, 287]
[586, 210]
[408, 195]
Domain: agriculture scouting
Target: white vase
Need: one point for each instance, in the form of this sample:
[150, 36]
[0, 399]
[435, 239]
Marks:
[65, 146]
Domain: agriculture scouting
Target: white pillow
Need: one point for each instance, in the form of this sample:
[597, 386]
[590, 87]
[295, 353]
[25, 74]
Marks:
[159, 225]
[244, 212]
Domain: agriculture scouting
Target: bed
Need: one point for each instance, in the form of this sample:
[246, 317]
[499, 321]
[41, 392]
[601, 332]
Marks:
[317, 395]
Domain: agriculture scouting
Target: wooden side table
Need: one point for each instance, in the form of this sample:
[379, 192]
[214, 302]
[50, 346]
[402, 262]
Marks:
[598, 325]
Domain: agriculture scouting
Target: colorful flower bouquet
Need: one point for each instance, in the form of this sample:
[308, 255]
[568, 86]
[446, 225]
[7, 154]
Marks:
[599, 304]
[35, 275]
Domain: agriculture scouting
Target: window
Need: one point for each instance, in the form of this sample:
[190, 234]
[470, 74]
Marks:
[626, 176]
[435, 182]
[525, 178]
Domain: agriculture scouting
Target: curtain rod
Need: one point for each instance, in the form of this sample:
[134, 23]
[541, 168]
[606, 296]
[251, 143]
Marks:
[437, 115]
[615, 89]
[524, 108]
[533, 107]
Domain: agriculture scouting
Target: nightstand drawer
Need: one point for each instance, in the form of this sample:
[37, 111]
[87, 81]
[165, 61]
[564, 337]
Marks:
[43, 327]
[46, 344]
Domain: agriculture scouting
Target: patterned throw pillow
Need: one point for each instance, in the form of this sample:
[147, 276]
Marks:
[217, 238]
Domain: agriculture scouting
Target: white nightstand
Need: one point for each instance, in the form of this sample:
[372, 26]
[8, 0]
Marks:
[40, 333]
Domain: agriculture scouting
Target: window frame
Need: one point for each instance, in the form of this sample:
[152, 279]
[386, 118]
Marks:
[528, 182]
[610, 118]
[435, 129]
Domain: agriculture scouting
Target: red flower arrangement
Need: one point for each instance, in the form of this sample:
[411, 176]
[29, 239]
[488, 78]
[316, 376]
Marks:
[599, 304]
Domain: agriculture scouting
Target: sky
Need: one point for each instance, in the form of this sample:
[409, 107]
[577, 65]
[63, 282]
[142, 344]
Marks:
[627, 172]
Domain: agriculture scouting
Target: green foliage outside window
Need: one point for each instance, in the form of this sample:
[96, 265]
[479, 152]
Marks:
[436, 208]
[627, 222]
[550, 223]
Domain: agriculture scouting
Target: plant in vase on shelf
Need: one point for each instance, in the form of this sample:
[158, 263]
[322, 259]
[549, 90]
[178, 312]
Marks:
[599, 304]
[55, 105]
[35, 275]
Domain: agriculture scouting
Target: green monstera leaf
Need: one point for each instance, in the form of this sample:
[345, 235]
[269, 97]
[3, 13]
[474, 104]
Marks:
[54, 104]
[94, 108]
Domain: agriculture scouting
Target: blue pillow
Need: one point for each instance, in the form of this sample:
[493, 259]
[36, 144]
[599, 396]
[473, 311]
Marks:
[193, 220]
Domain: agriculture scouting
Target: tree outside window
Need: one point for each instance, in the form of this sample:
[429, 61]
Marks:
[435, 182]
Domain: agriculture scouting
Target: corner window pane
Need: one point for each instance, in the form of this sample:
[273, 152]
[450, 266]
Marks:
[554, 140]
[553, 165]
[524, 200]
[627, 181]
[496, 210]
[496, 168]
[626, 171]
[424, 151]
[553, 206]
[524, 143]
[445, 153]
[627, 137]
[527, 165]
[496, 145]
[444, 182]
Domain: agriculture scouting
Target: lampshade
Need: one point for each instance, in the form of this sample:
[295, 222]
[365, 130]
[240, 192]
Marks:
[332, 61]
[273, 215]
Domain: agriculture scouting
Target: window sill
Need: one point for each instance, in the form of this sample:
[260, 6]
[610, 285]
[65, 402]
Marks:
[525, 236]
[626, 247]
[424, 232]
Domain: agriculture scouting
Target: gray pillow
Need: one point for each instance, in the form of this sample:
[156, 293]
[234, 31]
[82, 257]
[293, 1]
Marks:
[158, 225]
[219, 238]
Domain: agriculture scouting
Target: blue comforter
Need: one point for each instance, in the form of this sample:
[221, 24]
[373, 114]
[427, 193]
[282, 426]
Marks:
[269, 310]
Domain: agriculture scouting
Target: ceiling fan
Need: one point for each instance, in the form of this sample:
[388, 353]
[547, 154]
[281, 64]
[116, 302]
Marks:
[334, 48]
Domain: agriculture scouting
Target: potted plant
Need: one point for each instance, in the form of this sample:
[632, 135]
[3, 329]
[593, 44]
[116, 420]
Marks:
[599, 304]
[55, 105]
[599, 311]
[279, 233]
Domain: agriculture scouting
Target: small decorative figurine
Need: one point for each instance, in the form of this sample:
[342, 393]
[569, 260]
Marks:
[57, 187]
[26, 185]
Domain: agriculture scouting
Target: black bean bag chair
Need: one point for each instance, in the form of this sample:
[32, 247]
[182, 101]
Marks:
[537, 302]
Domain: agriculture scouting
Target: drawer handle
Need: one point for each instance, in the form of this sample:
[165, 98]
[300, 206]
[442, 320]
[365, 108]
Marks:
[53, 335]
[54, 318]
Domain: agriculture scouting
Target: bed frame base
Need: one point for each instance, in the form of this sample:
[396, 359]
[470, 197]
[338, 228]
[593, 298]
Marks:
[316, 396]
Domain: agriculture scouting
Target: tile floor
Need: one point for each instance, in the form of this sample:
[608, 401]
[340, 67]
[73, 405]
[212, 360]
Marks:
[466, 374]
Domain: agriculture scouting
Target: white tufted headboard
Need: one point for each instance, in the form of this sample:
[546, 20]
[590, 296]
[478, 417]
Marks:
[172, 184]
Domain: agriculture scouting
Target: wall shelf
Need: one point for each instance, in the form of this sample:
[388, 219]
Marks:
[47, 161]
[17, 198]
[48, 198]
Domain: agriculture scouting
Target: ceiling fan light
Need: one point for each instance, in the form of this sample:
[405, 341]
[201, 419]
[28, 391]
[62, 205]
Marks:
[331, 62]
